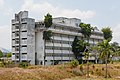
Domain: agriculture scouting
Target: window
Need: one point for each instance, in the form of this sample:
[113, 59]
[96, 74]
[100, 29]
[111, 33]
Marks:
[17, 56]
[16, 33]
[17, 42]
[24, 45]
[24, 53]
[16, 27]
[17, 49]
[24, 38]
[76, 24]
[13, 53]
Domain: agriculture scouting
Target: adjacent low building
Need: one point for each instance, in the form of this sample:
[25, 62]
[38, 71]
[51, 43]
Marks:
[28, 43]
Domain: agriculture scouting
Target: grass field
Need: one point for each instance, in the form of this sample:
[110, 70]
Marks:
[61, 72]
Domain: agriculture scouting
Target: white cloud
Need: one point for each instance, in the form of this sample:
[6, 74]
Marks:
[41, 9]
[5, 10]
[1, 3]
[116, 33]
[5, 36]
[8, 11]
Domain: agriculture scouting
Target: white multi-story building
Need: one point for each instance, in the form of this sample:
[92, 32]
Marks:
[28, 43]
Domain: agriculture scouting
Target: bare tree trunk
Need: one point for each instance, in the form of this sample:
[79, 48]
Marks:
[88, 69]
[88, 62]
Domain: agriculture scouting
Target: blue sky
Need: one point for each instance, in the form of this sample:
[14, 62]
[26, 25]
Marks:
[100, 13]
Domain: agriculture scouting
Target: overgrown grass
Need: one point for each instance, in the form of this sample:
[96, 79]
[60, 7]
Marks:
[61, 72]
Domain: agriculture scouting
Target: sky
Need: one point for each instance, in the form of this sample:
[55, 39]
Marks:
[99, 13]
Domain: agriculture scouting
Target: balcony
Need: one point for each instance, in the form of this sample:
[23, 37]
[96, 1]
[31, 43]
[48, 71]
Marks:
[13, 57]
[48, 51]
[24, 42]
[24, 20]
[16, 52]
[96, 37]
[24, 27]
[65, 58]
[49, 58]
[90, 58]
[13, 42]
[17, 44]
[16, 29]
[57, 51]
[71, 58]
[24, 35]
[24, 50]
[65, 51]
[24, 57]
[49, 44]
[66, 32]
[57, 44]
[13, 35]
[57, 58]
[57, 37]
[65, 45]
[15, 22]
[16, 35]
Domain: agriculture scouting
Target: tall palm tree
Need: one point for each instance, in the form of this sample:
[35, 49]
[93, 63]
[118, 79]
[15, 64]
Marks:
[105, 51]
[47, 34]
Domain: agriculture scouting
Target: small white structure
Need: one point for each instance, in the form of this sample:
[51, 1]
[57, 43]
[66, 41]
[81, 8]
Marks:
[28, 43]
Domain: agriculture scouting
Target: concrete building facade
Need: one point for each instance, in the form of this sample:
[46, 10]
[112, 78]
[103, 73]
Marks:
[28, 43]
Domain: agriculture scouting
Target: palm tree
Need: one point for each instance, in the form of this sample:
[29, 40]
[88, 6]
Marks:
[105, 51]
[47, 34]
[48, 20]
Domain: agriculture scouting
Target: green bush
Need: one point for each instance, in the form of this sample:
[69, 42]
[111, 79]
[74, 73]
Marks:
[23, 64]
[6, 64]
[74, 63]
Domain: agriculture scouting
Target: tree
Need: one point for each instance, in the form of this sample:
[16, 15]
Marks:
[116, 49]
[47, 35]
[48, 20]
[86, 30]
[87, 55]
[107, 32]
[9, 55]
[115, 46]
[1, 54]
[74, 45]
[78, 46]
[105, 51]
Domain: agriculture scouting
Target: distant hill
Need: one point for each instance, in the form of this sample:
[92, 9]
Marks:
[4, 50]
